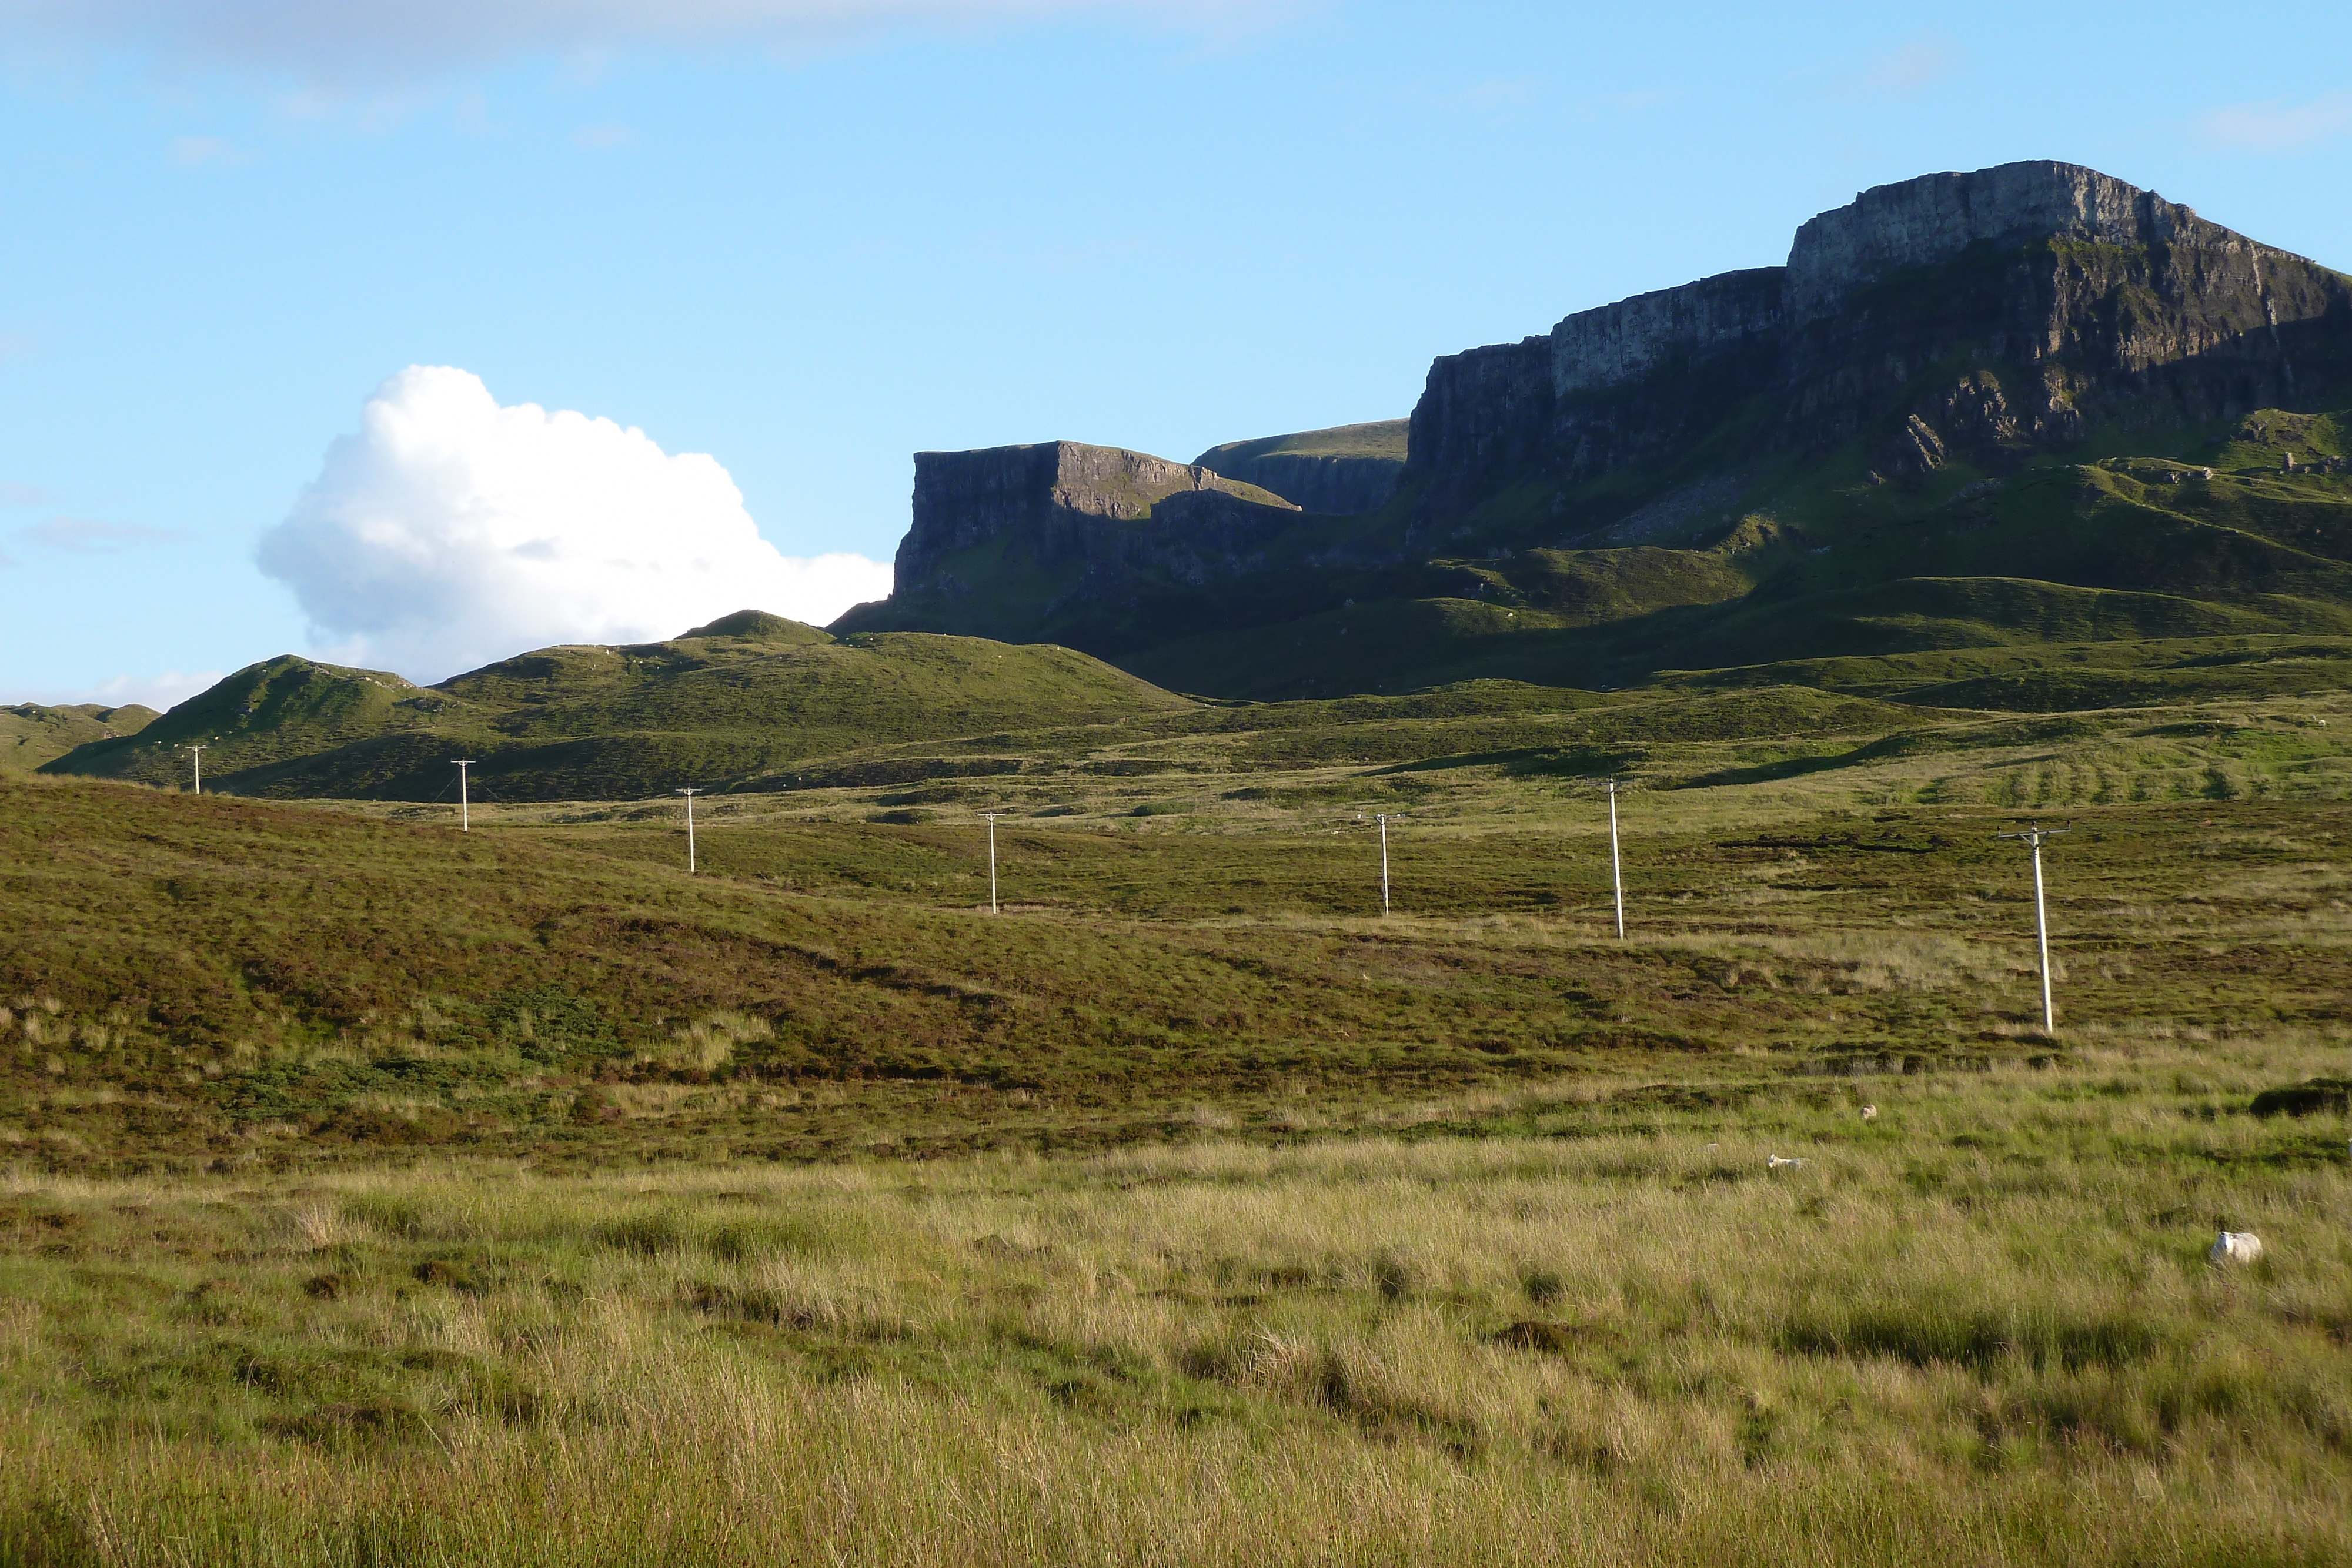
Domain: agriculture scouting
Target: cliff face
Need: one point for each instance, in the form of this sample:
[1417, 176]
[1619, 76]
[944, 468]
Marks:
[1341, 472]
[1992, 312]
[1776, 430]
[1047, 504]
[1060, 519]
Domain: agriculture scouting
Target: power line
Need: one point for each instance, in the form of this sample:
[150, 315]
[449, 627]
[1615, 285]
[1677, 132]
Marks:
[197, 755]
[465, 803]
[2036, 835]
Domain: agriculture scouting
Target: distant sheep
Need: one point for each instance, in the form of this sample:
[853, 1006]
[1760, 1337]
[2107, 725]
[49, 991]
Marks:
[1870, 1112]
[1784, 1163]
[2236, 1247]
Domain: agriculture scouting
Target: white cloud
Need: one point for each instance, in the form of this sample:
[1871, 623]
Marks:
[451, 532]
[158, 691]
[388, 39]
[15, 494]
[2276, 126]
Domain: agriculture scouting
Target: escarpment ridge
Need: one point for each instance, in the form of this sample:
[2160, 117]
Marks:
[2006, 310]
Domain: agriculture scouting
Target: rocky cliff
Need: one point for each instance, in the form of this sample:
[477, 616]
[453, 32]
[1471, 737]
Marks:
[1991, 313]
[1345, 470]
[1885, 445]
[1000, 536]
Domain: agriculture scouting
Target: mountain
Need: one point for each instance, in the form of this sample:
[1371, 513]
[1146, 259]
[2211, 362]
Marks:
[1346, 469]
[31, 733]
[735, 704]
[2026, 405]
[1989, 317]
[1003, 540]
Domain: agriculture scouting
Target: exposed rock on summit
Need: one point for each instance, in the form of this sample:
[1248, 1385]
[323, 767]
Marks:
[1060, 515]
[2003, 309]
[1885, 443]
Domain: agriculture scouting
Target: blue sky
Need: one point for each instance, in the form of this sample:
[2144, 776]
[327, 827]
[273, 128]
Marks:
[808, 237]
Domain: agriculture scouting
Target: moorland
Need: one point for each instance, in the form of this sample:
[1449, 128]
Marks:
[384, 1192]
[1025, 1133]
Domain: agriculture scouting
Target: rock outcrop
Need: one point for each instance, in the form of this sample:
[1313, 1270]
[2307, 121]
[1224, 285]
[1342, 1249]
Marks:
[1340, 472]
[1060, 516]
[1986, 313]
[1988, 322]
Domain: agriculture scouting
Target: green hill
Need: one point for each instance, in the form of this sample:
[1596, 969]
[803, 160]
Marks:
[1191, 908]
[31, 733]
[1349, 469]
[1822, 565]
[723, 705]
[1383, 438]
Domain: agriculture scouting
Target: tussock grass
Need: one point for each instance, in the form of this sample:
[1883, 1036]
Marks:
[369, 1194]
[1980, 1327]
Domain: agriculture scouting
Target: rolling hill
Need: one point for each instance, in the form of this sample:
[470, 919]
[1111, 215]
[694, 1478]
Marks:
[32, 734]
[731, 704]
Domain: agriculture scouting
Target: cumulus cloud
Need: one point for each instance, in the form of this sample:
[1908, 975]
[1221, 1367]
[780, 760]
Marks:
[375, 40]
[2276, 127]
[451, 531]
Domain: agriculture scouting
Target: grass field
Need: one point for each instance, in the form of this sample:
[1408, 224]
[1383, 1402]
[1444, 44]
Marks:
[1979, 1328]
[378, 1192]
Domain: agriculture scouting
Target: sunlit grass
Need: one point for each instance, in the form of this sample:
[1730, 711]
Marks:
[1982, 1323]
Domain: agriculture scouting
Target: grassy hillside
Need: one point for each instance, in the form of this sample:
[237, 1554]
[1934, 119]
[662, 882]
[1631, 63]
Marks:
[377, 1192]
[2067, 587]
[1814, 564]
[721, 705]
[1345, 471]
[31, 733]
[1978, 1328]
[1197, 914]
[1381, 438]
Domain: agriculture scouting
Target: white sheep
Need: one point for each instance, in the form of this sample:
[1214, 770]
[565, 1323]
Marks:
[1784, 1163]
[1870, 1112]
[2236, 1247]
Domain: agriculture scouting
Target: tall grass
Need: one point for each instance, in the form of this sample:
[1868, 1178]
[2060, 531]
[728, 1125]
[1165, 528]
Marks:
[1979, 1328]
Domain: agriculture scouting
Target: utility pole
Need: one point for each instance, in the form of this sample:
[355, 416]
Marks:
[197, 755]
[991, 817]
[689, 795]
[1383, 819]
[1616, 861]
[465, 804]
[2037, 835]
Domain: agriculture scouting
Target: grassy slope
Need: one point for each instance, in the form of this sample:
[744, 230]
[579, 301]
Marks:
[1828, 568]
[589, 722]
[1979, 1328]
[31, 733]
[380, 1193]
[1381, 438]
[209, 978]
